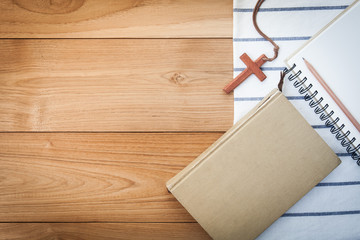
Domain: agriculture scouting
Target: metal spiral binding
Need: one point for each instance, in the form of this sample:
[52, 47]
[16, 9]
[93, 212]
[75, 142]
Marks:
[324, 116]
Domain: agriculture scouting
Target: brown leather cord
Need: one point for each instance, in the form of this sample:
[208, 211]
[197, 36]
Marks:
[281, 82]
[276, 47]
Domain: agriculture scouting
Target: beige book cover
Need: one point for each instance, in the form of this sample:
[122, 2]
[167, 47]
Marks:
[255, 172]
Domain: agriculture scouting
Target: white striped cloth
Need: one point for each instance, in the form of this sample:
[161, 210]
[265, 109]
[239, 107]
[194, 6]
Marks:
[332, 209]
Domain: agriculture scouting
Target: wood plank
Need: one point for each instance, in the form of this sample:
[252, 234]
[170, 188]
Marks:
[115, 19]
[115, 84]
[81, 177]
[89, 231]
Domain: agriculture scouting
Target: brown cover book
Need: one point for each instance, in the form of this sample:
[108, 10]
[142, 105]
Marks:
[255, 172]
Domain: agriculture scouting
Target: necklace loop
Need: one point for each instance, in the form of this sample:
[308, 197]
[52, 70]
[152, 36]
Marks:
[276, 47]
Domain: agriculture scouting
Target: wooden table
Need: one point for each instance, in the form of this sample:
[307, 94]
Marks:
[101, 102]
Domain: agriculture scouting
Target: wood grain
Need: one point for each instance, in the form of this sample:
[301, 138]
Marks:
[98, 185]
[115, 19]
[115, 85]
[89, 231]
[81, 177]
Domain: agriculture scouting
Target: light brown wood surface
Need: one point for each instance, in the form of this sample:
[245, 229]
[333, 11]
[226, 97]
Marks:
[95, 231]
[102, 102]
[115, 85]
[81, 177]
[115, 19]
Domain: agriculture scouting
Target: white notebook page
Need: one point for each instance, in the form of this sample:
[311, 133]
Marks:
[334, 53]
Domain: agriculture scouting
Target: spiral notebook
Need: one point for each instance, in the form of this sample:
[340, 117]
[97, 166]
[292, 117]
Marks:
[331, 210]
[334, 56]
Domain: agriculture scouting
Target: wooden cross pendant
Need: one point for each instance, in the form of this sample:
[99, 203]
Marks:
[252, 68]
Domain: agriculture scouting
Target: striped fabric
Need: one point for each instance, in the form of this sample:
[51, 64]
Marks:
[332, 209]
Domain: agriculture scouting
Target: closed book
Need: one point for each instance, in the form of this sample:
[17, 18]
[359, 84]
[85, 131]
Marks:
[255, 172]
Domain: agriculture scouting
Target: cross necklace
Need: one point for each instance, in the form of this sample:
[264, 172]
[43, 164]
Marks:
[253, 67]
